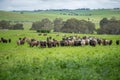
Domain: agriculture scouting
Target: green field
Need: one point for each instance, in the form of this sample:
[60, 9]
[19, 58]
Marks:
[28, 17]
[59, 63]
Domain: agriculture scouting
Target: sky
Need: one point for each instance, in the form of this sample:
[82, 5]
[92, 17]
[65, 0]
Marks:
[57, 4]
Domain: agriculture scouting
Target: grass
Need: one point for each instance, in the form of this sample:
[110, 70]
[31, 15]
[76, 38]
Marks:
[59, 63]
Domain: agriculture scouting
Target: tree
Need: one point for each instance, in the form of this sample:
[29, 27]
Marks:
[78, 26]
[4, 24]
[111, 26]
[103, 22]
[44, 24]
[18, 26]
[58, 24]
[36, 25]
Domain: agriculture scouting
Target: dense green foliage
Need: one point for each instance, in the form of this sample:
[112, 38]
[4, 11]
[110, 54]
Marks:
[17, 26]
[4, 24]
[59, 63]
[69, 26]
[43, 31]
[78, 26]
[111, 26]
[44, 24]
[7, 25]
[58, 24]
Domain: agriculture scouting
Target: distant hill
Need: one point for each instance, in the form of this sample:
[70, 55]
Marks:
[31, 16]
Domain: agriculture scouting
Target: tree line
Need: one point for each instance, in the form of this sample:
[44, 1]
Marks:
[68, 26]
[7, 25]
[107, 26]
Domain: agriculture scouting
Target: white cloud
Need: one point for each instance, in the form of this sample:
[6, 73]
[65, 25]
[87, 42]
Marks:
[56, 4]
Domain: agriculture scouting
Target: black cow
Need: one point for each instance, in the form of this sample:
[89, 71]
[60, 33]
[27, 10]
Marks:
[43, 44]
[9, 40]
[93, 43]
[4, 40]
[117, 42]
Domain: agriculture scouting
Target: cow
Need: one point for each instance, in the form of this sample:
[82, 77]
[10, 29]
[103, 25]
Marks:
[43, 44]
[4, 40]
[77, 42]
[55, 43]
[21, 41]
[9, 40]
[82, 42]
[34, 43]
[49, 42]
[107, 42]
[71, 42]
[64, 41]
[110, 42]
[93, 42]
[100, 41]
[44, 34]
[117, 42]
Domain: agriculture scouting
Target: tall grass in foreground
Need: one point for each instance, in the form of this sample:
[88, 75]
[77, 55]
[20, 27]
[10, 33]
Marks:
[59, 63]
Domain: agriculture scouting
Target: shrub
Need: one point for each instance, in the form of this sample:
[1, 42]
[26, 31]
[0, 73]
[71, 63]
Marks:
[43, 31]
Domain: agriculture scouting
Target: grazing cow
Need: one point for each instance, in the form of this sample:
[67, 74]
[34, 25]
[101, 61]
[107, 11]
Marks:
[105, 42]
[110, 42]
[55, 43]
[9, 40]
[77, 42]
[93, 42]
[64, 41]
[4, 40]
[82, 42]
[117, 42]
[21, 41]
[44, 34]
[34, 43]
[43, 44]
[49, 42]
[71, 42]
[87, 41]
[28, 40]
[39, 34]
[100, 41]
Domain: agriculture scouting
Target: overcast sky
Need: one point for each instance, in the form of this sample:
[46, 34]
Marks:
[57, 4]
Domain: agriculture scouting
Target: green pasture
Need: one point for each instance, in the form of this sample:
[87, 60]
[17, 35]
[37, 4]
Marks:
[58, 63]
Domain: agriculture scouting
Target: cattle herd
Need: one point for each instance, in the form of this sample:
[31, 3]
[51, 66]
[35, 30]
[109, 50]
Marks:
[65, 41]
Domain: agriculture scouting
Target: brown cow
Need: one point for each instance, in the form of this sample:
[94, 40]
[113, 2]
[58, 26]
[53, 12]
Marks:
[56, 43]
[21, 41]
[34, 43]
[50, 43]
